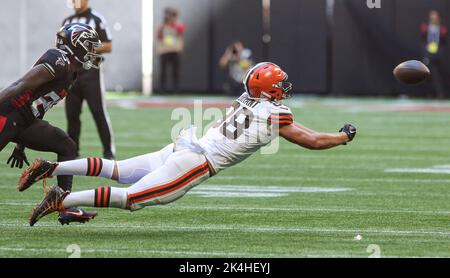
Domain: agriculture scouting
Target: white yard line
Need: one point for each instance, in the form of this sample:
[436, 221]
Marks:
[418, 170]
[258, 191]
[195, 253]
[421, 157]
[260, 177]
[327, 167]
[243, 229]
[331, 179]
[298, 209]
[269, 209]
[435, 169]
[268, 188]
[133, 251]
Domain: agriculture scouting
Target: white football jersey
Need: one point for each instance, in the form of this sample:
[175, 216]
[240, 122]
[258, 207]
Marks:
[248, 125]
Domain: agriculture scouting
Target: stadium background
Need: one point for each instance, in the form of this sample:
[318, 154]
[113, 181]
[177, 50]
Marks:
[390, 185]
[316, 54]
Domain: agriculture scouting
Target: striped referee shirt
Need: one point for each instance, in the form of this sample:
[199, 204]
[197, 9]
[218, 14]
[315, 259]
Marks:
[93, 19]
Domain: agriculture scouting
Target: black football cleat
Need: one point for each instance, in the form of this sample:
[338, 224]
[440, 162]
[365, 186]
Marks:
[109, 155]
[41, 169]
[53, 201]
[75, 215]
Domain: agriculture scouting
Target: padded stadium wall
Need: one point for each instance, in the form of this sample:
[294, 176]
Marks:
[366, 43]
[354, 55]
[369, 43]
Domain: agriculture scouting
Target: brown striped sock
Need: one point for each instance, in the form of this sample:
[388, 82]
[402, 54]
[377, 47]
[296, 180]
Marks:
[94, 166]
[102, 197]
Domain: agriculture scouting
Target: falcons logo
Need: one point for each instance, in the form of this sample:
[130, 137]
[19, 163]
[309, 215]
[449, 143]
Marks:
[79, 32]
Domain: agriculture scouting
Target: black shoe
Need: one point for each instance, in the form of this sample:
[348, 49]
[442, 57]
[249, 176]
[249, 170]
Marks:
[75, 215]
[41, 169]
[109, 156]
[53, 201]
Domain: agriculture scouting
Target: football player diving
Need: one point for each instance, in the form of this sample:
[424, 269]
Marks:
[253, 121]
[24, 103]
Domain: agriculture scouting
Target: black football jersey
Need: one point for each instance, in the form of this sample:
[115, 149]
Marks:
[45, 97]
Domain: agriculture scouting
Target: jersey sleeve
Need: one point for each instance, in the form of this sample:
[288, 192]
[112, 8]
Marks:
[282, 116]
[102, 29]
[55, 63]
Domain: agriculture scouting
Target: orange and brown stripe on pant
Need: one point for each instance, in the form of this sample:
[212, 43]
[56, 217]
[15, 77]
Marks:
[171, 186]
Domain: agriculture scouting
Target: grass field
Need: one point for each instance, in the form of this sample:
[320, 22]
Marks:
[296, 203]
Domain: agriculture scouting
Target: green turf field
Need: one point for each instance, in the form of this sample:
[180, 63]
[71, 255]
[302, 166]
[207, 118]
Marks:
[296, 203]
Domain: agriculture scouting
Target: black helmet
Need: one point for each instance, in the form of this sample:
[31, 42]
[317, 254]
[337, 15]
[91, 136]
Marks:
[80, 41]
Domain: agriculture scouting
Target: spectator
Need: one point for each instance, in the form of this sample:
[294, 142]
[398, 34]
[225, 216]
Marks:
[170, 44]
[236, 60]
[89, 85]
[433, 39]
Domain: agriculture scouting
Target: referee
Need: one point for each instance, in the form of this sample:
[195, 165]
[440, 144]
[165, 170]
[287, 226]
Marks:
[89, 85]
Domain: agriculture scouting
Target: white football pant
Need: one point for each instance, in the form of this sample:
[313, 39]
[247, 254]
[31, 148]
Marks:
[162, 177]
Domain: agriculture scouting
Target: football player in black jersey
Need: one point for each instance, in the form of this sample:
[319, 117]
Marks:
[24, 103]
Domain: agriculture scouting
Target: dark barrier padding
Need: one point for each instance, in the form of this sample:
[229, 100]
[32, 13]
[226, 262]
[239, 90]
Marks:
[298, 30]
[364, 48]
[366, 43]
[410, 14]
[194, 69]
[194, 63]
[369, 43]
[234, 20]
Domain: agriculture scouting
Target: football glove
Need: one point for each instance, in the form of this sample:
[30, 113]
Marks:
[17, 158]
[350, 130]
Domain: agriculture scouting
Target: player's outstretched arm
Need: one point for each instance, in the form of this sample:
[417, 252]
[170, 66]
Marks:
[314, 140]
[33, 79]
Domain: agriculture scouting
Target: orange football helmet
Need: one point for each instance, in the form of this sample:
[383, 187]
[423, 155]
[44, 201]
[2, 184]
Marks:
[267, 80]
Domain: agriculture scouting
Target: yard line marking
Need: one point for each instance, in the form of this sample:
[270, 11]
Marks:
[302, 178]
[242, 191]
[353, 167]
[299, 209]
[10, 175]
[146, 251]
[210, 194]
[16, 203]
[127, 144]
[270, 188]
[243, 229]
[284, 178]
[274, 209]
[418, 170]
[200, 253]
[436, 169]
[301, 155]
[393, 147]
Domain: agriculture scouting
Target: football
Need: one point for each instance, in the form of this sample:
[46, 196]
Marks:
[411, 72]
